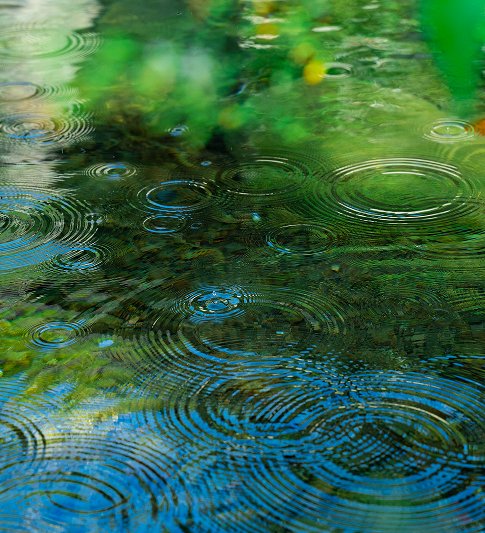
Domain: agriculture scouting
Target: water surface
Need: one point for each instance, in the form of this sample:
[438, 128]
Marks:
[241, 271]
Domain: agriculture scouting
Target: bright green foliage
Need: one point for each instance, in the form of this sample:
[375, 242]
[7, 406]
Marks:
[83, 365]
[232, 70]
[455, 30]
[258, 72]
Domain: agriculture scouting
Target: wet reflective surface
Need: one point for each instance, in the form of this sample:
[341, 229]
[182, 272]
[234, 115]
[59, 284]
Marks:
[241, 285]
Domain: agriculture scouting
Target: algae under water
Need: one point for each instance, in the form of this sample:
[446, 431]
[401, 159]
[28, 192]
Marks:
[241, 268]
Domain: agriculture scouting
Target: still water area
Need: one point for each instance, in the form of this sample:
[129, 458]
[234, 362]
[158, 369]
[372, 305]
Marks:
[241, 270]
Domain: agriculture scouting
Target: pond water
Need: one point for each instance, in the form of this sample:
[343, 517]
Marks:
[241, 270]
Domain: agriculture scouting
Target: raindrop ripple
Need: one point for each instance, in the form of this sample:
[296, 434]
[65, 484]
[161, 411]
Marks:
[268, 177]
[38, 225]
[41, 129]
[36, 42]
[449, 131]
[197, 332]
[418, 194]
[391, 451]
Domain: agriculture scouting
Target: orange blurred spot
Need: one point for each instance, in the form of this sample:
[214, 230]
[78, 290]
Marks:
[479, 126]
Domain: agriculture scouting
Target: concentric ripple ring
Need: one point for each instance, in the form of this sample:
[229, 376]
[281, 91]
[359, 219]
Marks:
[449, 131]
[41, 129]
[266, 176]
[301, 239]
[400, 192]
[176, 196]
[397, 450]
[55, 334]
[36, 42]
[37, 225]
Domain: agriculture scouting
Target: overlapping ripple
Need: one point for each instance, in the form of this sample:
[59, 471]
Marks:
[41, 129]
[246, 413]
[22, 91]
[21, 430]
[402, 192]
[267, 176]
[11, 521]
[38, 225]
[467, 243]
[197, 332]
[312, 451]
[212, 303]
[37, 42]
[98, 476]
[251, 413]
[266, 323]
[393, 450]
[15, 92]
[83, 259]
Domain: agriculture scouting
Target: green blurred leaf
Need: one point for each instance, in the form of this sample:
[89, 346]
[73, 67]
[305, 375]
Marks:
[455, 31]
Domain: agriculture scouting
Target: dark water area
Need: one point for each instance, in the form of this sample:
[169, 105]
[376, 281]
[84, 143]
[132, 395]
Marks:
[241, 270]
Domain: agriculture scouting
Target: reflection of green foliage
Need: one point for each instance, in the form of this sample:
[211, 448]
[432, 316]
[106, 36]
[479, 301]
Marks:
[252, 71]
[83, 365]
[220, 67]
[456, 33]
[232, 70]
[392, 326]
